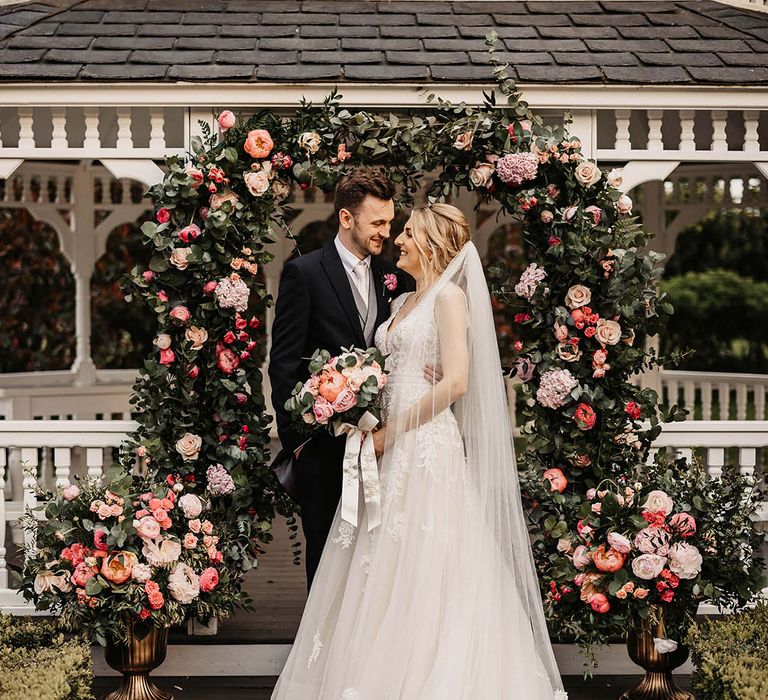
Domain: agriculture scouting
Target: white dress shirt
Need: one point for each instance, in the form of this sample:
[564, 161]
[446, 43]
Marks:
[358, 271]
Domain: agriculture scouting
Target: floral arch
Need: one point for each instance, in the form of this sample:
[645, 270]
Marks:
[581, 313]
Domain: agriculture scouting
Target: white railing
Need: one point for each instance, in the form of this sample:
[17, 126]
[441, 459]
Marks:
[704, 393]
[23, 443]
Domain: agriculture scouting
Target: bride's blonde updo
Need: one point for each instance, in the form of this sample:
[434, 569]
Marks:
[439, 232]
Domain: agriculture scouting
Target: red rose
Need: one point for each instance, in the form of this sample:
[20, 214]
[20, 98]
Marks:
[167, 357]
[163, 215]
[241, 398]
[632, 410]
[100, 540]
[229, 338]
[227, 360]
[668, 595]
[243, 337]
[254, 322]
[554, 240]
[193, 371]
[209, 579]
[240, 322]
[585, 417]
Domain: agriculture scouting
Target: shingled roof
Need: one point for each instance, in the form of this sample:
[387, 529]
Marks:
[607, 42]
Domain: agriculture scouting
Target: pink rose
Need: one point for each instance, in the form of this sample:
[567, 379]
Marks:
[619, 542]
[82, 573]
[163, 215]
[195, 525]
[345, 400]
[104, 511]
[70, 492]
[195, 173]
[148, 276]
[226, 120]
[227, 360]
[210, 287]
[581, 557]
[258, 143]
[390, 282]
[180, 314]
[209, 579]
[190, 541]
[556, 478]
[596, 212]
[167, 357]
[147, 528]
[322, 410]
[207, 527]
[599, 603]
[684, 524]
[190, 233]
[219, 200]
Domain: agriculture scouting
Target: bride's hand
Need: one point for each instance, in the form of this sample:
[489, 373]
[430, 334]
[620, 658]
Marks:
[379, 436]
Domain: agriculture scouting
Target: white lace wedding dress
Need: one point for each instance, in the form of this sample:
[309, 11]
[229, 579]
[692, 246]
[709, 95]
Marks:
[422, 607]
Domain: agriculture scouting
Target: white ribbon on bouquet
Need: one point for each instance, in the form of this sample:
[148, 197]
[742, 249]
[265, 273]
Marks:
[360, 465]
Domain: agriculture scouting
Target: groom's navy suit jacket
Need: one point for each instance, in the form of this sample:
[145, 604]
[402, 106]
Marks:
[316, 310]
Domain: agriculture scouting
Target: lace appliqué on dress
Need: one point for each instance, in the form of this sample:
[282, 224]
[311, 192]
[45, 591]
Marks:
[346, 535]
[561, 695]
[350, 694]
[395, 530]
[317, 645]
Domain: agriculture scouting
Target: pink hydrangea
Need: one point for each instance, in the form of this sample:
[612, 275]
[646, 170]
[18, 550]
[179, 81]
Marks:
[555, 386]
[232, 294]
[516, 168]
[529, 281]
[220, 483]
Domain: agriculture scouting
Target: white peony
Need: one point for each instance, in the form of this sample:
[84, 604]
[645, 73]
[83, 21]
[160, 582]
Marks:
[191, 505]
[664, 646]
[684, 560]
[163, 554]
[183, 583]
[648, 566]
[658, 502]
[310, 141]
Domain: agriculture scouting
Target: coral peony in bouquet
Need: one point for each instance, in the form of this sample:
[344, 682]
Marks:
[340, 390]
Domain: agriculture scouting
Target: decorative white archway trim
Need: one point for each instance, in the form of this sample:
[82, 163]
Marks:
[146, 171]
[636, 172]
[8, 166]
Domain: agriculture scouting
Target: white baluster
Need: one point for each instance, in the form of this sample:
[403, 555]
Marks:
[684, 453]
[94, 460]
[92, 139]
[751, 136]
[652, 455]
[747, 460]
[157, 132]
[706, 401]
[687, 138]
[655, 140]
[124, 136]
[125, 191]
[760, 402]
[724, 399]
[673, 392]
[3, 563]
[29, 461]
[59, 133]
[689, 396]
[715, 461]
[26, 133]
[62, 462]
[741, 402]
[623, 142]
[719, 138]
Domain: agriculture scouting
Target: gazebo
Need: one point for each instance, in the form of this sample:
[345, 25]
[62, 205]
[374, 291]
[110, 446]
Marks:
[675, 92]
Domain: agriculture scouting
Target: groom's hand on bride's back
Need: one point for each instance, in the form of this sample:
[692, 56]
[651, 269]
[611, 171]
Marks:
[433, 373]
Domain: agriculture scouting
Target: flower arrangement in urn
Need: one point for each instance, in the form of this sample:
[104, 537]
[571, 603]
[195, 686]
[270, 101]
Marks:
[656, 543]
[120, 559]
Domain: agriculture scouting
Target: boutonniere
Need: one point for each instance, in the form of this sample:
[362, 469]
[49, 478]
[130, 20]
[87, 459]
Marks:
[390, 281]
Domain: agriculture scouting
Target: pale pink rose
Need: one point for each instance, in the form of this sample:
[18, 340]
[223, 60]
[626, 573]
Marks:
[191, 505]
[190, 541]
[685, 560]
[546, 217]
[188, 446]
[147, 528]
[591, 493]
[578, 295]
[640, 593]
[345, 400]
[463, 141]
[210, 541]
[597, 507]
[587, 173]
[596, 212]
[257, 182]
[581, 557]
[180, 314]
[195, 525]
[481, 175]
[209, 579]
[608, 332]
[219, 200]
[624, 205]
[70, 492]
[564, 544]
[619, 542]
[322, 410]
[310, 141]
[561, 332]
[179, 258]
[599, 357]
[569, 213]
[658, 502]
[311, 386]
[356, 379]
[183, 583]
[163, 341]
[197, 336]
[207, 527]
[104, 511]
[653, 540]
[226, 120]
[648, 566]
[115, 510]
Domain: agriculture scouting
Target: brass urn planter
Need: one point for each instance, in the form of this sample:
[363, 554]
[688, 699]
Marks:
[136, 660]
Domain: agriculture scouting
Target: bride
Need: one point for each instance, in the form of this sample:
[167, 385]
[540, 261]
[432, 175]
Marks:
[440, 601]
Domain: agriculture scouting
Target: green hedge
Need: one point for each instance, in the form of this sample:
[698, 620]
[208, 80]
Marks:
[36, 662]
[730, 657]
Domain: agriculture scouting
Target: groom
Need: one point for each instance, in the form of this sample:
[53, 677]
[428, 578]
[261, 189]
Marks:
[331, 298]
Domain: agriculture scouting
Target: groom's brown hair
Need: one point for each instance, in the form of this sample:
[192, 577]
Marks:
[353, 188]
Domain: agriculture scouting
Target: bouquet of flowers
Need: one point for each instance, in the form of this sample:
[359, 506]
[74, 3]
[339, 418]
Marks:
[340, 389]
[341, 396]
[128, 553]
[663, 540]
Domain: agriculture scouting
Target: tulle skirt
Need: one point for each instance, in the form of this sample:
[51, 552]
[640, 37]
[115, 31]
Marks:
[419, 608]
